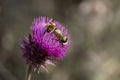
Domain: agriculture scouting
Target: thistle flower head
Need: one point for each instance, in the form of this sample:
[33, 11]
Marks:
[41, 46]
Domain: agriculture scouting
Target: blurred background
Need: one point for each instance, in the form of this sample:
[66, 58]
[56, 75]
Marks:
[94, 26]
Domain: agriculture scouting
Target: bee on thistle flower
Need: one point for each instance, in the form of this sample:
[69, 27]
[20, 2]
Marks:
[51, 27]
[49, 40]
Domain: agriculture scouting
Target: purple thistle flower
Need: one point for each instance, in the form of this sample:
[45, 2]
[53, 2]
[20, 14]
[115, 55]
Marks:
[42, 47]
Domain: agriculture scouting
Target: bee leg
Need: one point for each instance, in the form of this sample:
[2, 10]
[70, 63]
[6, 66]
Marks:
[45, 32]
[56, 39]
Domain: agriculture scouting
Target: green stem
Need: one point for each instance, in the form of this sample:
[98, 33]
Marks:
[28, 72]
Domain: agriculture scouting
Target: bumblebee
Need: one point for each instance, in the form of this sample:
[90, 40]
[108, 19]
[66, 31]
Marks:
[51, 28]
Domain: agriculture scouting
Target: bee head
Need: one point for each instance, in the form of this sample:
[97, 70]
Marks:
[50, 27]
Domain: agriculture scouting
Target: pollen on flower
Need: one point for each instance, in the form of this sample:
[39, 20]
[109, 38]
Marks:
[41, 46]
